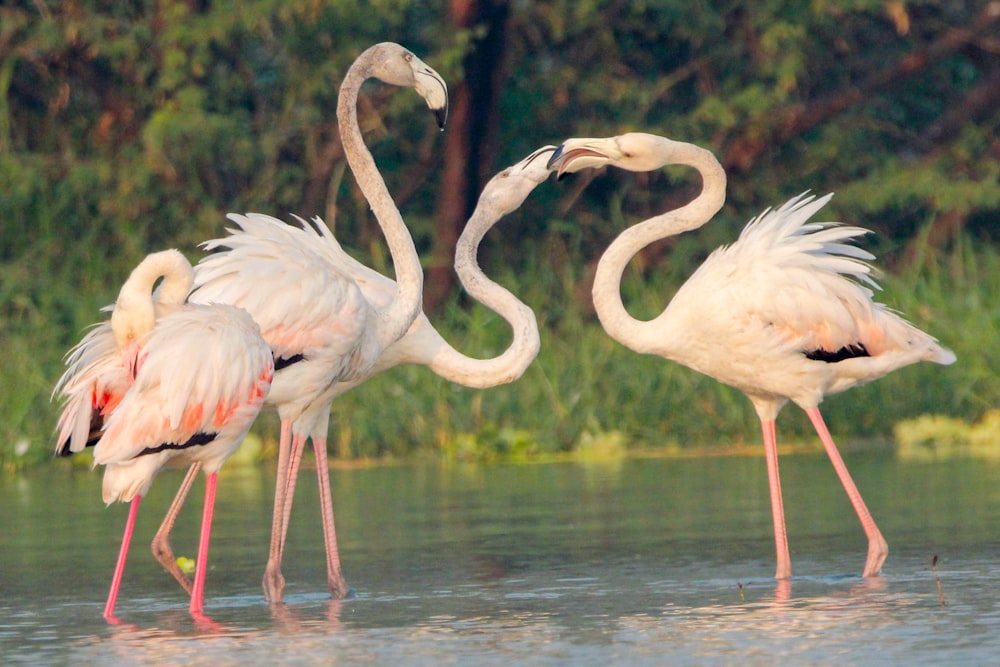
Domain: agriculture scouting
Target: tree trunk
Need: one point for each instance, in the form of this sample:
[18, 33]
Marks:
[467, 146]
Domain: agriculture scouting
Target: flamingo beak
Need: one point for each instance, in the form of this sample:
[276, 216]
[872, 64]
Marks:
[569, 159]
[434, 90]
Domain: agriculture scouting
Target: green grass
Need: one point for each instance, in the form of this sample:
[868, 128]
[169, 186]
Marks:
[583, 392]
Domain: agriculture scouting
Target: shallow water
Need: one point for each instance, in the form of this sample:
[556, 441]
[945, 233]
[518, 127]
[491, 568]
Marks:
[637, 562]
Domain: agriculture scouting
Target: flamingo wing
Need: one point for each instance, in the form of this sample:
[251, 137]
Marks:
[93, 384]
[800, 284]
[305, 305]
[202, 376]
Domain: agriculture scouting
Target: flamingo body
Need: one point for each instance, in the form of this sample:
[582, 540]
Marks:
[785, 313]
[296, 257]
[322, 328]
[163, 383]
[202, 375]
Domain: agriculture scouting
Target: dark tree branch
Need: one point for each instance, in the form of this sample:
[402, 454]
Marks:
[778, 127]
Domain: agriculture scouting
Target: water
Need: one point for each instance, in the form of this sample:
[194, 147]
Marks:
[637, 562]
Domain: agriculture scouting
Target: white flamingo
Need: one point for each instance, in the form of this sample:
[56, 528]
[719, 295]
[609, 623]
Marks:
[323, 329]
[258, 236]
[782, 314]
[163, 383]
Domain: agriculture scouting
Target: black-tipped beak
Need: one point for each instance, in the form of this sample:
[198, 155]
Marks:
[558, 161]
[433, 89]
[556, 154]
[441, 116]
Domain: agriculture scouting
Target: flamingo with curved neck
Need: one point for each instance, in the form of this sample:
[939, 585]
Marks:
[423, 344]
[98, 371]
[259, 235]
[782, 314]
[163, 382]
[323, 329]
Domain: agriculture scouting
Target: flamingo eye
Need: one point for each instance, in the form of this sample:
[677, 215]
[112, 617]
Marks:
[408, 57]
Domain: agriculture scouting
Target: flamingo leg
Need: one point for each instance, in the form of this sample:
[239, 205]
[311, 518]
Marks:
[294, 462]
[201, 565]
[116, 579]
[274, 583]
[878, 548]
[334, 577]
[784, 567]
[161, 541]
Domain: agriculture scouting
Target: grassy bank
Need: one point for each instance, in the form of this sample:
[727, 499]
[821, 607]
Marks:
[583, 392]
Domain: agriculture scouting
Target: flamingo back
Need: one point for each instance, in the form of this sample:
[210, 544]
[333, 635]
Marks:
[201, 378]
[807, 283]
[292, 286]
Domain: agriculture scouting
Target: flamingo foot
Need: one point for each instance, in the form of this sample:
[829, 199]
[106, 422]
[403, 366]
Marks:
[164, 554]
[878, 551]
[339, 590]
[274, 584]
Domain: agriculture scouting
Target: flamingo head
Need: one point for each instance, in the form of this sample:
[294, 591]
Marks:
[396, 65]
[508, 189]
[634, 151]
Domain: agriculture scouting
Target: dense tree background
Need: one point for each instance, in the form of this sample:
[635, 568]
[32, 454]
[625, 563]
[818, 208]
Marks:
[143, 122]
[126, 127]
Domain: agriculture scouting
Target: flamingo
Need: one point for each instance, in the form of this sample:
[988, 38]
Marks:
[321, 326]
[163, 383]
[786, 313]
[257, 236]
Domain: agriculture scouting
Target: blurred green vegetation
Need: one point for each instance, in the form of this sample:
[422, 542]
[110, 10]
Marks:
[129, 127]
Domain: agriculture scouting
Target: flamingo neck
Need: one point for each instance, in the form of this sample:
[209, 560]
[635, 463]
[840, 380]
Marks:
[407, 301]
[647, 336]
[451, 364]
[134, 313]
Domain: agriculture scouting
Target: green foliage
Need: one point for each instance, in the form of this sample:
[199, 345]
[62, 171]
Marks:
[936, 437]
[129, 127]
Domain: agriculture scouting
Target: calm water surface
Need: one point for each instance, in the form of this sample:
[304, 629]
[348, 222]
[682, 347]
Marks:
[638, 562]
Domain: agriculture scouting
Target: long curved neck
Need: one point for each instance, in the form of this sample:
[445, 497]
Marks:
[451, 364]
[134, 313]
[646, 336]
[406, 303]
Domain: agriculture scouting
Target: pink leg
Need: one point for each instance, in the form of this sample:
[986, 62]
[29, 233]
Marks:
[274, 583]
[294, 462]
[878, 548]
[116, 579]
[334, 578]
[784, 568]
[161, 541]
[201, 565]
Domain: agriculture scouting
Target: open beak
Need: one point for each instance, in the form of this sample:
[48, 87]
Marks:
[576, 154]
[535, 166]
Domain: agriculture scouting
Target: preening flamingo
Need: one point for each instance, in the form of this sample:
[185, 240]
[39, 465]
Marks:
[323, 329]
[783, 314]
[257, 236]
[163, 383]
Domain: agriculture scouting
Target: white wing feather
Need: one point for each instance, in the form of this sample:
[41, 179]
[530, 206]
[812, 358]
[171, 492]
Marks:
[287, 278]
[201, 371]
